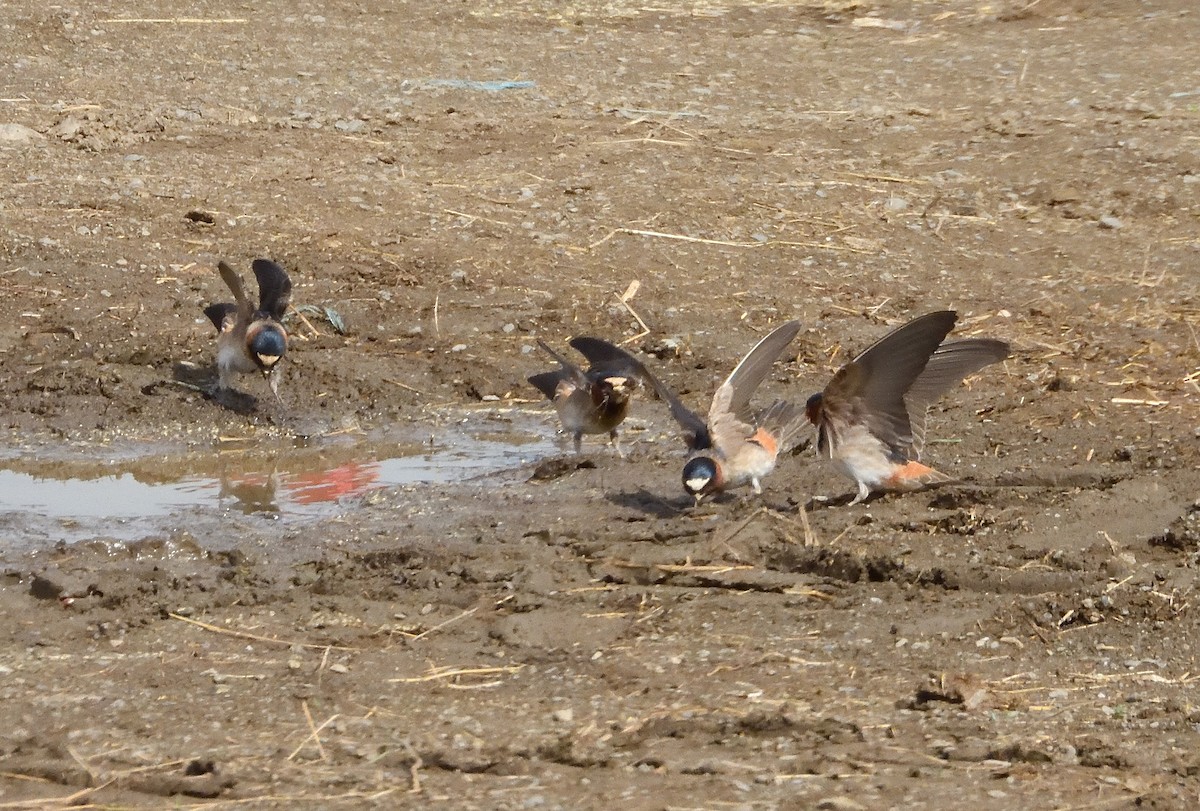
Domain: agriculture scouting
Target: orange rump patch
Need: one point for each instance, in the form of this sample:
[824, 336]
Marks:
[767, 441]
[914, 476]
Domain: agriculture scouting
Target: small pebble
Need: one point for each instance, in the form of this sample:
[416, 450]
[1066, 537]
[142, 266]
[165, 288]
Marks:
[1111, 223]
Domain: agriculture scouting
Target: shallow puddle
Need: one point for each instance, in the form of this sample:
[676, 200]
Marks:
[76, 496]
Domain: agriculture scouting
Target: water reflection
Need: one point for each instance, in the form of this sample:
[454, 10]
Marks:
[277, 491]
[43, 496]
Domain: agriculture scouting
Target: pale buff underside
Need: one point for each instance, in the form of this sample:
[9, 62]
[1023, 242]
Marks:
[862, 457]
[232, 360]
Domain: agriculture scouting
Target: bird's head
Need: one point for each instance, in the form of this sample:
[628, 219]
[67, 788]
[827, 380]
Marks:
[814, 408]
[701, 477]
[267, 343]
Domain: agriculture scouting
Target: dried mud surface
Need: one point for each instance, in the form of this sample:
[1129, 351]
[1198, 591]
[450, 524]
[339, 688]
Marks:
[1025, 640]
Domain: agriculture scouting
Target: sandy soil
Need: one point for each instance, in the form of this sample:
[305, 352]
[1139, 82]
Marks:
[1026, 640]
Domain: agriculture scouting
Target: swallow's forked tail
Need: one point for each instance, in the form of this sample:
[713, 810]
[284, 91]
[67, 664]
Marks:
[785, 422]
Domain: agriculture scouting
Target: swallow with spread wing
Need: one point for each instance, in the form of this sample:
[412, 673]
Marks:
[251, 339]
[735, 446]
[595, 401]
[870, 419]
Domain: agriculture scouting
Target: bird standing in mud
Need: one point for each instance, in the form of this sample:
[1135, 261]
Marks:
[734, 447]
[870, 419]
[595, 401]
[251, 339]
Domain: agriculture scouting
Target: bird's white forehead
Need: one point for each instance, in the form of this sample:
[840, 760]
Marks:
[697, 483]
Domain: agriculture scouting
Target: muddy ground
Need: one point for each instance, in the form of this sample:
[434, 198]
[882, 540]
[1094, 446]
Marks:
[1024, 640]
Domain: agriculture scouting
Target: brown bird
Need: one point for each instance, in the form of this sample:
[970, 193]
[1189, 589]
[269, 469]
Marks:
[595, 401]
[251, 339]
[870, 419]
[734, 446]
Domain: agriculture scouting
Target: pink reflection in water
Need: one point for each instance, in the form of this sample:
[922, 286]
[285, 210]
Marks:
[331, 485]
[262, 492]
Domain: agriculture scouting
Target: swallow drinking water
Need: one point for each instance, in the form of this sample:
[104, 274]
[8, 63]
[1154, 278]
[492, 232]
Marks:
[871, 417]
[252, 339]
[595, 401]
[735, 446]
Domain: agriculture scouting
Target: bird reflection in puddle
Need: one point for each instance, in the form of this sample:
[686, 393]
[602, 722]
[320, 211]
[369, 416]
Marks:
[253, 493]
[264, 492]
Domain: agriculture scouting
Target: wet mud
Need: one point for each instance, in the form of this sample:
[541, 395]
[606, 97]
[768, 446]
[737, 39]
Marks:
[397, 588]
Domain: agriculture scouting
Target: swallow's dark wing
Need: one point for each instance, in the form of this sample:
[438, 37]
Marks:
[726, 429]
[234, 282]
[748, 375]
[608, 360]
[872, 387]
[948, 365]
[218, 313]
[695, 430]
[569, 371]
[274, 287]
[547, 382]
[953, 361]
[730, 420]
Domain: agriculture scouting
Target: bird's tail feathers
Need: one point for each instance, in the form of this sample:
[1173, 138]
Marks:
[785, 421]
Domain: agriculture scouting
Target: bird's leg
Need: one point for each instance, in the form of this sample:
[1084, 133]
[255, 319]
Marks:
[756, 485]
[578, 443]
[863, 492]
[273, 381]
[612, 438]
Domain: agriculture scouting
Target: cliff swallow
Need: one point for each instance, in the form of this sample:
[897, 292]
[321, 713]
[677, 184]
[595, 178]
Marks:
[870, 419]
[595, 401]
[734, 446]
[251, 339]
